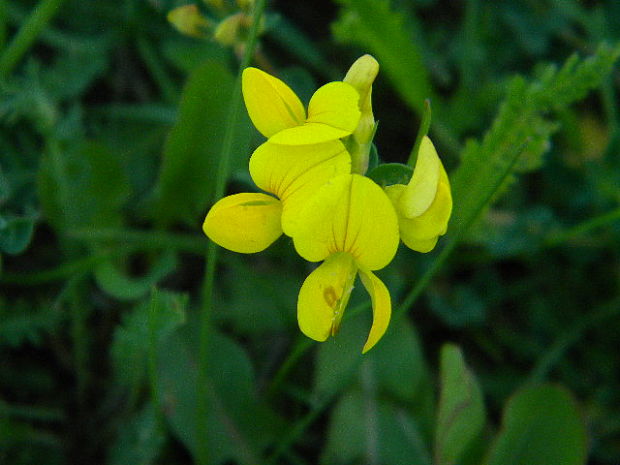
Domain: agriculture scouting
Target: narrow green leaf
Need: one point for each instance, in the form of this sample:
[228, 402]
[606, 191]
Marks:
[187, 177]
[374, 26]
[461, 414]
[239, 427]
[541, 426]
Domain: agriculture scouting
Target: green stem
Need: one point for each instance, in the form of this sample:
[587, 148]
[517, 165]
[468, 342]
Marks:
[569, 338]
[202, 407]
[27, 34]
[143, 240]
[152, 354]
[583, 228]
[157, 70]
[298, 430]
[301, 347]
[425, 124]
[64, 271]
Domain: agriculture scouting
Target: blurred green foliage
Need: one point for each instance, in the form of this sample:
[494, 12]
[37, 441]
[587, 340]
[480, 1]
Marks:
[112, 125]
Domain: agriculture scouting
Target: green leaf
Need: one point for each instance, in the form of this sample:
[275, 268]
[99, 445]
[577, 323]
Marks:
[338, 359]
[388, 174]
[133, 337]
[187, 177]
[520, 133]
[115, 282]
[15, 233]
[22, 322]
[364, 429]
[399, 362]
[139, 440]
[239, 426]
[82, 185]
[541, 426]
[372, 25]
[461, 414]
[373, 157]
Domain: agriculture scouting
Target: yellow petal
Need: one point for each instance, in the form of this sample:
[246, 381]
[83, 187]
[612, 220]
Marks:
[295, 173]
[381, 308]
[422, 187]
[421, 233]
[271, 104]
[348, 214]
[335, 104]
[244, 223]
[308, 134]
[324, 295]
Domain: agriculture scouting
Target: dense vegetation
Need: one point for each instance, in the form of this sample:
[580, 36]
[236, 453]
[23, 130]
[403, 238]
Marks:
[503, 344]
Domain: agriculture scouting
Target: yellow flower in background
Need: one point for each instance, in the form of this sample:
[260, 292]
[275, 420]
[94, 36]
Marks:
[279, 115]
[251, 222]
[351, 224]
[424, 205]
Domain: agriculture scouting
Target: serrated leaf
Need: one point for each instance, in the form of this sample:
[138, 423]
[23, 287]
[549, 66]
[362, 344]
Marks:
[190, 159]
[541, 426]
[388, 174]
[520, 133]
[461, 415]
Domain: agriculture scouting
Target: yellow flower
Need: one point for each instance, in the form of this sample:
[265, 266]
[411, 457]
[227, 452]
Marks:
[280, 116]
[424, 205]
[251, 222]
[351, 224]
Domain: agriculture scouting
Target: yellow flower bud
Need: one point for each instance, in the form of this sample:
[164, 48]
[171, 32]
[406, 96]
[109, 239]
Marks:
[228, 32]
[188, 20]
[245, 5]
[361, 75]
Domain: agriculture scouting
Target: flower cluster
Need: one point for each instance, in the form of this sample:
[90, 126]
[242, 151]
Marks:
[312, 169]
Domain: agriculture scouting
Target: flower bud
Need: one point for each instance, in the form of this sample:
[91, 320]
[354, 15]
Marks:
[188, 20]
[228, 32]
[361, 75]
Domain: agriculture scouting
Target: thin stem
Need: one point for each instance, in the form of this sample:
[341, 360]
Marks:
[570, 337]
[157, 70]
[301, 347]
[202, 407]
[425, 124]
[152, 354]
[583, 228]
[142, 240]
[27, 34]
